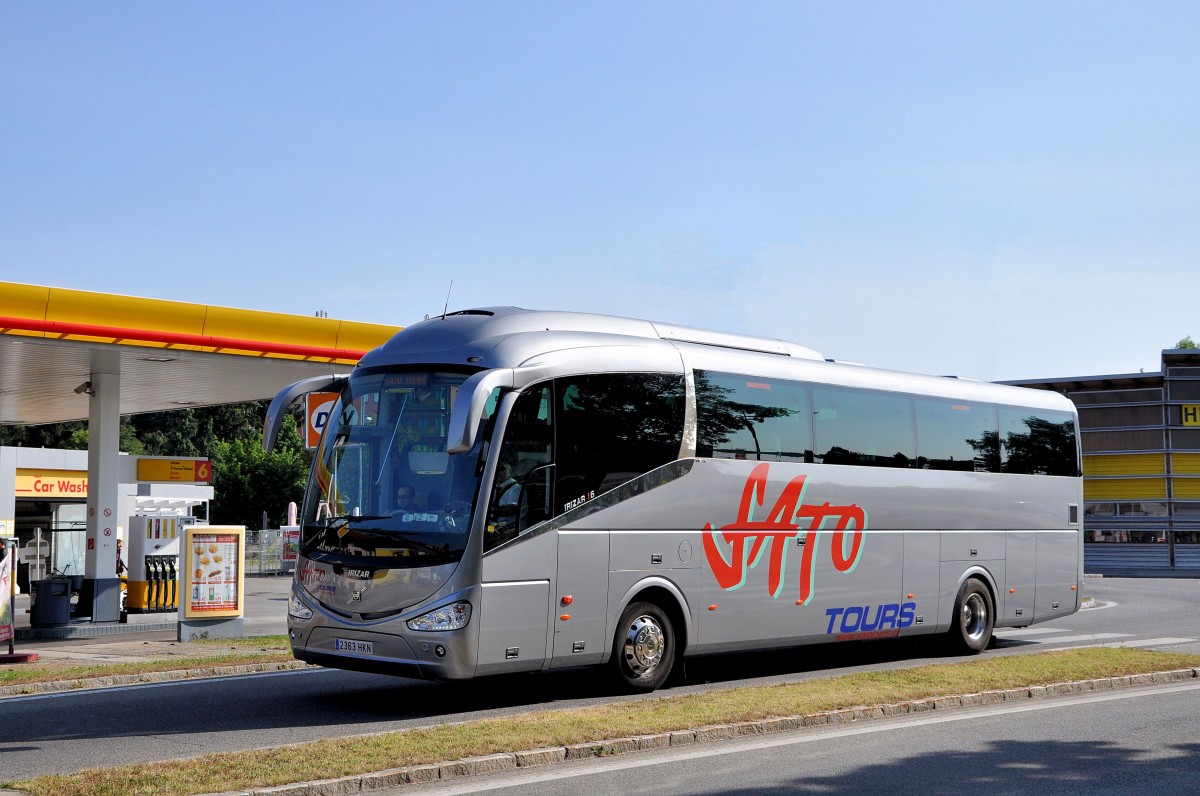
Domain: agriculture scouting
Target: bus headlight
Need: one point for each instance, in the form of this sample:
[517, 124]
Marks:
[297, 609]
[448, 617]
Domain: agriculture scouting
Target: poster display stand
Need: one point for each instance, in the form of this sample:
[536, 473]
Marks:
[212, 594]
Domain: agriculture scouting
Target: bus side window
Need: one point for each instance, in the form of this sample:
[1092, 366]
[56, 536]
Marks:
[1038, 442]
[611, 428]
[528, 445]
[868, 428]
[751, 417]
[957, 435]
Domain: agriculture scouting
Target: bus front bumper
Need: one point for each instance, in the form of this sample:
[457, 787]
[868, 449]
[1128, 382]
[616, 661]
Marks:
[438, 657]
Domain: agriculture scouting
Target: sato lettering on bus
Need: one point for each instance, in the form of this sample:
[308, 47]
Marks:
[734, 549]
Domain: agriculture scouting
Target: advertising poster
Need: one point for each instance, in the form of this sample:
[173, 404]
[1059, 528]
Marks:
[291, 544]
[6, 616]
[213, 572]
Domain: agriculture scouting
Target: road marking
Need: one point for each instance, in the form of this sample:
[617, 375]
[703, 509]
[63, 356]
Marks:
[1150, 642]
[1085, 637]
[657, 757]
[1021, 632]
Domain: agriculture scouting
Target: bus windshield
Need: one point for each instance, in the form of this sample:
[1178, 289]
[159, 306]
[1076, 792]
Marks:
[383, 486]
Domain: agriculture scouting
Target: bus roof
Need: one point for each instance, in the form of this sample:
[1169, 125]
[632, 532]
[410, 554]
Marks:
[509, 337]
[484, 330]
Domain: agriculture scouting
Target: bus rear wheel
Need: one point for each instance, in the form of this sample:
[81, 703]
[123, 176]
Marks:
[974, 618]
[644, 647]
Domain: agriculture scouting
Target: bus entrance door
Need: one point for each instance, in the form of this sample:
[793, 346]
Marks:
[581, 603]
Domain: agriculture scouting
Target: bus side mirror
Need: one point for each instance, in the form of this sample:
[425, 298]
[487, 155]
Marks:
[469, 405]
[285, 397]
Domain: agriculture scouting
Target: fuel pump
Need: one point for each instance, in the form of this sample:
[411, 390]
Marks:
[153, 547]
[153, 576]
[172, 584]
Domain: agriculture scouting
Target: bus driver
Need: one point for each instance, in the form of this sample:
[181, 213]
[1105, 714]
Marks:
[406, 501]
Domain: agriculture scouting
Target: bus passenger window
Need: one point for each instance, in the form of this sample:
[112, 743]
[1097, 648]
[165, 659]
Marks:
[1038, 442]
[863, 427]
[612, 428]
[751, 417]
[957, 435]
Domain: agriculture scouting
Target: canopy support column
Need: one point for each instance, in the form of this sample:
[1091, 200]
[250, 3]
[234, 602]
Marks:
[104, 421]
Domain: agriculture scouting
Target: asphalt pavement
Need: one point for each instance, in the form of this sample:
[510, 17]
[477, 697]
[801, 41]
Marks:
[266, 614]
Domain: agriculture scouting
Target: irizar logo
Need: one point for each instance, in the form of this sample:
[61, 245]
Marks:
[860, 622]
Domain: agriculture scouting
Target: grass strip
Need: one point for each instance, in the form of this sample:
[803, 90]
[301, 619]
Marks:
[275, 642]
[236, 652]
[91, 671]
[342, 757]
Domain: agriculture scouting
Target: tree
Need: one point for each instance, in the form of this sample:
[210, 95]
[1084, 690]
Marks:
[248, 481]
[196, 432]
[1186, 343]
[51, 435]
[72, 436]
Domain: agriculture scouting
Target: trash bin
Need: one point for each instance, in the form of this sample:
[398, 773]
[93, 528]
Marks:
[51, 603]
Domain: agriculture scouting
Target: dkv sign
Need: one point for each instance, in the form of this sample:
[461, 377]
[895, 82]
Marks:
[318, 405]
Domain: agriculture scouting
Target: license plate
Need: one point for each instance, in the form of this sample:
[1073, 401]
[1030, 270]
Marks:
[353, 645]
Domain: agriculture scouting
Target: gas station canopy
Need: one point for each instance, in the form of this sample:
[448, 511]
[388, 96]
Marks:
[71, 355]
[170, 355]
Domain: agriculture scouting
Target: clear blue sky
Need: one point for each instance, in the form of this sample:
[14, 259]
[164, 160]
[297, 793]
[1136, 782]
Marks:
[997, 190]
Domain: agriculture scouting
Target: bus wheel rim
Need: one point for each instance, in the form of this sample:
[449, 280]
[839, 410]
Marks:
[974, 616]
[644, 645]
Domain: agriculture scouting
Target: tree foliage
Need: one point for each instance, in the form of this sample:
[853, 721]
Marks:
[249, 481]
[1187, 343]
[71, 436]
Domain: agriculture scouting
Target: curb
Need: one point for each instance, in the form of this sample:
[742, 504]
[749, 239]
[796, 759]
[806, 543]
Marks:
[511, 761]
[57, 686]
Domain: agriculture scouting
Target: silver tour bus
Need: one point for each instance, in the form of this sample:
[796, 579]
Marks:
[503, 490]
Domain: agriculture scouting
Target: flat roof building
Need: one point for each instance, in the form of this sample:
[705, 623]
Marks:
[1140, 434]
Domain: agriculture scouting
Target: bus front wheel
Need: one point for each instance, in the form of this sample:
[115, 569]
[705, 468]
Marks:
[974, 618]
[644, 648]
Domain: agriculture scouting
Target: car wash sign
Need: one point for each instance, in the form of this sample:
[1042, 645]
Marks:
[51, 483]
